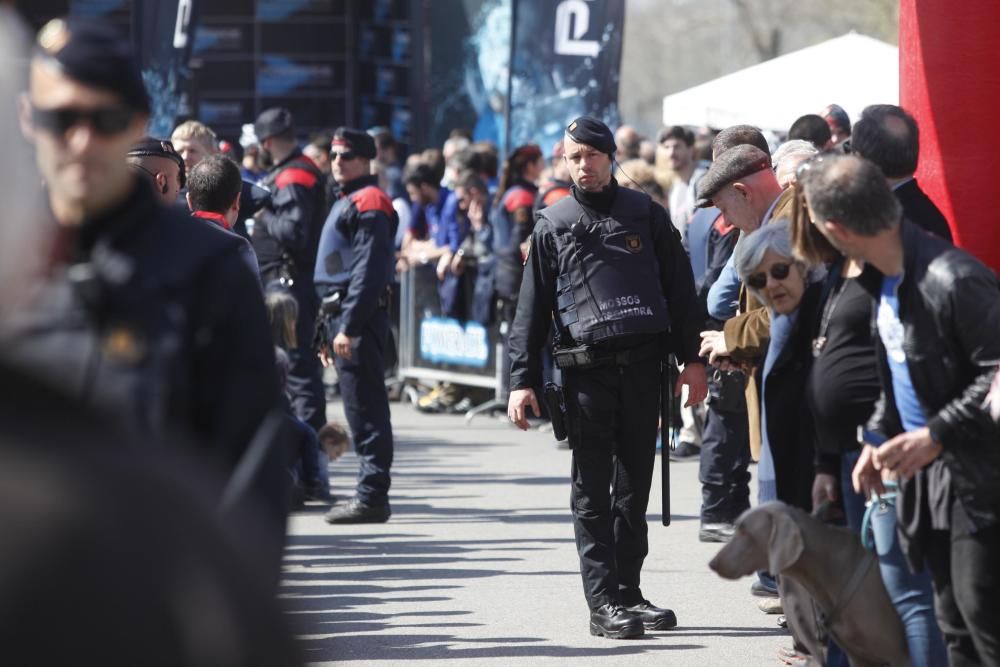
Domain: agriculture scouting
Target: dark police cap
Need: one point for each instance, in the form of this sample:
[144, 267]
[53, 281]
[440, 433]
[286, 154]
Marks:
[590, 131]
[95, 55]
[153, 147]
[355, 141]
[736, 163]
[272, 122]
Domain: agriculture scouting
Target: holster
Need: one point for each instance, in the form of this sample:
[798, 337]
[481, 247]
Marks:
[323, 335]
[726, 390]
[556, 404]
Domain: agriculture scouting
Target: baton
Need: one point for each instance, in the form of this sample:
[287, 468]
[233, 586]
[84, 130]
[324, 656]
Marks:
[666, 428]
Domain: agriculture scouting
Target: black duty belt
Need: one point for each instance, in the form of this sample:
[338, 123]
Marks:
[587, 356]
[331, 304]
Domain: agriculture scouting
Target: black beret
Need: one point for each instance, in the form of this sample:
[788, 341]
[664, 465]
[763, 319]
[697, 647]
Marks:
[594, 133]
[96, 55]
[153, 147]
[356, 141]
[272, 122]
[737, 162]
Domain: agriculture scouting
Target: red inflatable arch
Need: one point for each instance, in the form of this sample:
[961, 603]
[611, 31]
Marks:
[949, 79]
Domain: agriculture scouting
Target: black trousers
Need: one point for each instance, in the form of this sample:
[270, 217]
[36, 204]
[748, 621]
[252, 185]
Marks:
[366, 406]
[965, 567]
[612, 415]
[723, 467]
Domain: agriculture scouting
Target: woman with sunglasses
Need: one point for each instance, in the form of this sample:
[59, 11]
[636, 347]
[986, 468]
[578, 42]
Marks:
[790, 291]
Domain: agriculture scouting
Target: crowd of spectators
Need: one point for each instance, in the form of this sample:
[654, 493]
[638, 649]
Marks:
[825, 273]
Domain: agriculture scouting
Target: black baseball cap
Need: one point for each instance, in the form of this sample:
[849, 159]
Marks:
[272, 122]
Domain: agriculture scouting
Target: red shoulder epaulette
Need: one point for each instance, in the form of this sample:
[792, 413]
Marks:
[295, 176]
[554, 195]
[370, 198]
[518, 198]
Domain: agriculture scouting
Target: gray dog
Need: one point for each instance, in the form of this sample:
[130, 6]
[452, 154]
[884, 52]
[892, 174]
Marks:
[828, 583]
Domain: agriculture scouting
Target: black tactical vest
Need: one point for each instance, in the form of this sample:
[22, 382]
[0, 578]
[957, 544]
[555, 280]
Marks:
[609, 278]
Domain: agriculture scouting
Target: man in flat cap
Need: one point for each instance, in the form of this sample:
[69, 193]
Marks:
[742, 185]
[141, 311]
[285, 236]
[354, 267]
[607, 267]
[157, 159]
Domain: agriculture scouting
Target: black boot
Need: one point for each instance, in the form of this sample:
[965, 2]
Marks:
[357, 512]
[614, 622]
[653, 618]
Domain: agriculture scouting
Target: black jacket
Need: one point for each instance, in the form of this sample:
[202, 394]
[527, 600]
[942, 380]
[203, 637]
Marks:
[530, 329]
[287, 229]
[949, 304]
[156, 318]
[790, 430]
[918, 208]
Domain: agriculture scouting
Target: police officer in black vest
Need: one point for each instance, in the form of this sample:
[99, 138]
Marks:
[607, 267]
[139, 310]
[285, 236]
[354, 266]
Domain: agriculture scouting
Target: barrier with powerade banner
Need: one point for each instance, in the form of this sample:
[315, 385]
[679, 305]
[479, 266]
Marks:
[435, 348]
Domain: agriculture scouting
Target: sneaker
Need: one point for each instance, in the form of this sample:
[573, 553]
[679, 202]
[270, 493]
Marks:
[356, 511]
[463, 406]
[716, 532]
[770, 606]
[685, 452]
[761, 590]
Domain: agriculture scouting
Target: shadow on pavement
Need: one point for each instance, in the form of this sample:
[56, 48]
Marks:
[449, 647]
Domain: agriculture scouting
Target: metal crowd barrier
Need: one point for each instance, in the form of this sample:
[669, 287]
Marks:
[435, 348]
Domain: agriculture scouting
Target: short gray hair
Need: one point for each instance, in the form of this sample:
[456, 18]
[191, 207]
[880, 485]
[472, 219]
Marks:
[793, 147]
[775, 237]
[790, 155]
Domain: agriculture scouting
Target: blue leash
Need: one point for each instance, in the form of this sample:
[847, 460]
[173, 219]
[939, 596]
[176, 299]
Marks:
[883, 503]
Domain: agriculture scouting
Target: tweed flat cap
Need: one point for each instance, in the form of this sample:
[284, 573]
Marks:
[736, 163]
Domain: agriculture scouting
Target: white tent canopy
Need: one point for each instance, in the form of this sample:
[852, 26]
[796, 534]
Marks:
[852, 71]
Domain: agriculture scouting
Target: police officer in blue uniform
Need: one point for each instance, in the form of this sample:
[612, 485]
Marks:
[139, 311]
[285, 237]
[607, 267]
[354, 267]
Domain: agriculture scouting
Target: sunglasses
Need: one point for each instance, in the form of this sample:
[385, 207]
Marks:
[106, 121]
[778, 272]
[346, 156]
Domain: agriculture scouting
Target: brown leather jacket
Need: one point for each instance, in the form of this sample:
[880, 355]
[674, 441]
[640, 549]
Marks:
[748, 334]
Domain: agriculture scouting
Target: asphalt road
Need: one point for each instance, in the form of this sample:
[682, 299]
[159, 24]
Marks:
[477, 564]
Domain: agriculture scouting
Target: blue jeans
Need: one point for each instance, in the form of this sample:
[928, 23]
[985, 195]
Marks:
[912, 594]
